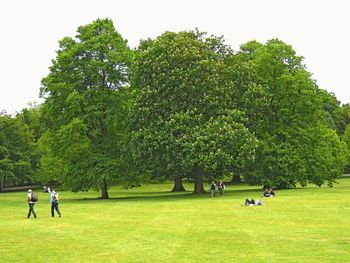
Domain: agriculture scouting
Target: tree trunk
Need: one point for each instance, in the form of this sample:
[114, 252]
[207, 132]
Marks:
[178, 187]
[236, 179]
[198, 180]
[104, 190]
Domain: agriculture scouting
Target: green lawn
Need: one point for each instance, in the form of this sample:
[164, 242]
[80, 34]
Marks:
[150, 224]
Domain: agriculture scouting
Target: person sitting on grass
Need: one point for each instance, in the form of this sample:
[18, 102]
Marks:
[267, 193]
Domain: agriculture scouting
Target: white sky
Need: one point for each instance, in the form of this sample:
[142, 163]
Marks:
[30, 31]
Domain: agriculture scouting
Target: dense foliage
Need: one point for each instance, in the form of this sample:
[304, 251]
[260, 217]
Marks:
[19, 155]
[182, 105]
[288, 114]
[183, 117]
[85, 108]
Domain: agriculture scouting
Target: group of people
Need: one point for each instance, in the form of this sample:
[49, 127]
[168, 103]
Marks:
[54, 200]
[221, 188]
[252, 202]
[267, 193]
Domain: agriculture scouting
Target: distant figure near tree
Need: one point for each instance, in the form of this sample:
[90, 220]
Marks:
[221, 188]
[31, 201]
[212, 188]
[266, 193]
[269, 192]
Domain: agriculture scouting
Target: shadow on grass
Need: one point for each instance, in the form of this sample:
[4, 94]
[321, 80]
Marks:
[167, 196]
[232, 192]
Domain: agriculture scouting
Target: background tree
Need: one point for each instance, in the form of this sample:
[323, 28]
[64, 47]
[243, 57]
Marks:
[183, 119]
[85, 107]
[16, 152]
[346, 140]
[32, 119]
[342, 118]
[286, 112]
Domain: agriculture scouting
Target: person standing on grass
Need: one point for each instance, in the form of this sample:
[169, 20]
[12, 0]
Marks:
[212, 189]
[221, 188]
[31, 204]
[54, 199]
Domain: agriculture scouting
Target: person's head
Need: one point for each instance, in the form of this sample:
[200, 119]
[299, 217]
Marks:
[29, 191]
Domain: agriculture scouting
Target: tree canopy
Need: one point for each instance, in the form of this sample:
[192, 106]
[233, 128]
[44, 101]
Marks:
[183, 117]
[287, 113]
[181, 105]
[17, 152]
[85, 107]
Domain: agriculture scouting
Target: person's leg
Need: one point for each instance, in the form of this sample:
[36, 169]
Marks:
[247, 202]
[57, 210]
[33, 211]
[52, 209]
[30, 210]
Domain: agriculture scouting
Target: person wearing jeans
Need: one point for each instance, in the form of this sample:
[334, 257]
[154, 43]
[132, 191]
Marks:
[31, 204]
[54, 202]
[212, 189]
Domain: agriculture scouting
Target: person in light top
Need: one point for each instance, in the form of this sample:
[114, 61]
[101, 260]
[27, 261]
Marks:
[54, 199]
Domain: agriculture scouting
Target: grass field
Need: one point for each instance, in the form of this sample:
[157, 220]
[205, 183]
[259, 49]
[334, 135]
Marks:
[150, 224]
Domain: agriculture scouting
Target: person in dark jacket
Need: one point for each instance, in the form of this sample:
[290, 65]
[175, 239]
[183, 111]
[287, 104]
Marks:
[212, 188]
[221, 188]
[30, 203]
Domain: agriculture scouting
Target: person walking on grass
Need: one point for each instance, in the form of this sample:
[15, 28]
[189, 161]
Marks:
[31, 203]
[54, 199]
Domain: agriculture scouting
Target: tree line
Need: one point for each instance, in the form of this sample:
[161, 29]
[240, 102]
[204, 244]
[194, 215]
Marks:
[181, 106]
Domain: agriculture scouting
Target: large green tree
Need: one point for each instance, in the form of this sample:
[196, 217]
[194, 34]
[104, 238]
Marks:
[85, 108]
[288, 114]
[183, 119]
[16, 152]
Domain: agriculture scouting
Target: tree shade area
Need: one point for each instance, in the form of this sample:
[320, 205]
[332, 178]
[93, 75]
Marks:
[182, 107]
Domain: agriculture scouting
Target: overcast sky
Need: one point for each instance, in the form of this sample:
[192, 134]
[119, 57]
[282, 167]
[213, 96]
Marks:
[318, 30]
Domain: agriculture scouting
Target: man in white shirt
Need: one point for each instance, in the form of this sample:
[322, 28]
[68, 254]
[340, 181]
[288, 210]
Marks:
[31, 204]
